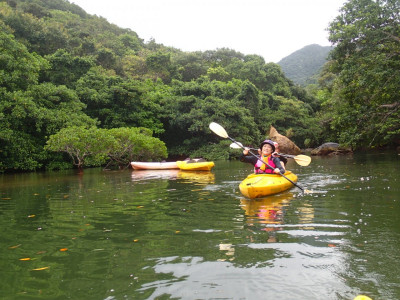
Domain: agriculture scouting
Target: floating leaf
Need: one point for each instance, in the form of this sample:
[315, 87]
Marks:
[40, 269]
[177, 231]
[16, 246]
[5, 198]
[136, 241]
[35, 194]
[140, 206]
[331, 245]
[26, 258]
[31, 216]
[63, 249]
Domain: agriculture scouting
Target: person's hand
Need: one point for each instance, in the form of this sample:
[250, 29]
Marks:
[277, 171]
[246, 151]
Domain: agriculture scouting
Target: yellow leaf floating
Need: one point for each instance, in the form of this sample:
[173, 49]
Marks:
[31, 216]
[63, 249]
[177, 231]
[25, 258]
[16, 246]
[136, 241]
[40, 269]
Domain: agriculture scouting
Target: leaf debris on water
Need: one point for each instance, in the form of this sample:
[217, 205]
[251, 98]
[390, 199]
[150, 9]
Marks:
[40, 269]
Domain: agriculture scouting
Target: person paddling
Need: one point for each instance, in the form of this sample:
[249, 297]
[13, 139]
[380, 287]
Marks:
[266, 149]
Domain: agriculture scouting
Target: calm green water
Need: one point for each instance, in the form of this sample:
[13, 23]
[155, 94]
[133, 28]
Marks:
[179, 235]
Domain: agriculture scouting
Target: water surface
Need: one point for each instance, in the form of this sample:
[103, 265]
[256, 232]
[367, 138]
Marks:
[191, 235]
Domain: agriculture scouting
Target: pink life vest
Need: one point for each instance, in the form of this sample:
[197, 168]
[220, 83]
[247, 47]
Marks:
[268, 170]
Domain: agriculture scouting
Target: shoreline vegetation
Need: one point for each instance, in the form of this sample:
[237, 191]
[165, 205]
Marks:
[78, 91]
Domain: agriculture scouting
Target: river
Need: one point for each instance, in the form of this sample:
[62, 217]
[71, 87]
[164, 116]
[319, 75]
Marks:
[183, 235]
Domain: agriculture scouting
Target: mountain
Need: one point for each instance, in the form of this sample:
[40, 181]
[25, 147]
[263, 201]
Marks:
[303, 65]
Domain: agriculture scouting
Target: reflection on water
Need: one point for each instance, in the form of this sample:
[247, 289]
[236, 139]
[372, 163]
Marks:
[203, 177]
[170, 234]
[190, 176]
[138, 175]
[266, 210]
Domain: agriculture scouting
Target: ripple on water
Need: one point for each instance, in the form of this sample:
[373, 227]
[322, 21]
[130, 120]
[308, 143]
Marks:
[280, 278]
[319, 180]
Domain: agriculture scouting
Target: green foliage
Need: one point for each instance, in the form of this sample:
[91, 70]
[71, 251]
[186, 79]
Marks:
[86, 147]
[117, 102]
[30, 111]
[292, 117]
[190, 65]
[62, 68]
[135, 144]
[364, 108]
[18, 67]
[93, 146]
[65, 68]
[195, 105]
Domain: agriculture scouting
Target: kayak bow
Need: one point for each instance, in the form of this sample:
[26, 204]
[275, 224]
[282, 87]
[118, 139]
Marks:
[261, 185]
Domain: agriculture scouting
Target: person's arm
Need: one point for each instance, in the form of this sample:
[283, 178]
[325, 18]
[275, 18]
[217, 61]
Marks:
[278, 165]
[283, 161]
[247, 158]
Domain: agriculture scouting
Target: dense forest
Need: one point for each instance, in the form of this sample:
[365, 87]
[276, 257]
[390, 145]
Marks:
[72, 85]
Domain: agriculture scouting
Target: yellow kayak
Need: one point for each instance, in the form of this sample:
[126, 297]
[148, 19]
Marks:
[195, 166]
[261, 185]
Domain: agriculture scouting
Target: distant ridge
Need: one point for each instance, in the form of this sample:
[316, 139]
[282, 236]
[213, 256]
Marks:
[303, 65]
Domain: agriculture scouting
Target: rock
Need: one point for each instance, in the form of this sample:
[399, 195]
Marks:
[285, 144]
[330, 149]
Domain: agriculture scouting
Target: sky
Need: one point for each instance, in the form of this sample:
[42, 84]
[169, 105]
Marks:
[272, 29]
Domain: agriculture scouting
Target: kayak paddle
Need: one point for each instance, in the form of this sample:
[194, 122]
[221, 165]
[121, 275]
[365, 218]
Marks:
[219, 130]
[302, 160]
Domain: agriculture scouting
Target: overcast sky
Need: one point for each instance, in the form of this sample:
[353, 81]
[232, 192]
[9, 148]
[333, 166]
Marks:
[270, 28]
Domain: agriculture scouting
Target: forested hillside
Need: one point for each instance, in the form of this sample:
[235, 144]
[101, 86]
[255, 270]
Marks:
[304, 65]
[68, 78]
[62, 67]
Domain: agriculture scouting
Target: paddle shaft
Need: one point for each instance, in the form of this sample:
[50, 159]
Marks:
[241, 146]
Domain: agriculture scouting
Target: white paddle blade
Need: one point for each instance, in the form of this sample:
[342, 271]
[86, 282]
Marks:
[218, 130]
[302, 160]
[236, 145]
